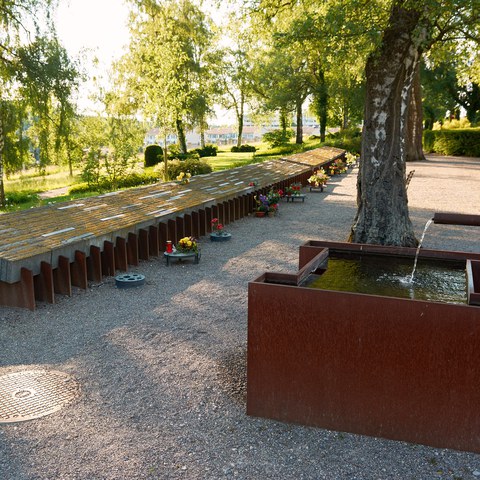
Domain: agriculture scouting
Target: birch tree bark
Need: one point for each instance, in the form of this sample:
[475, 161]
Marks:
[382, 216]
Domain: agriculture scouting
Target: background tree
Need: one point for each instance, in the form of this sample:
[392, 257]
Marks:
[152, 69]
[399, 32]
[47, 79]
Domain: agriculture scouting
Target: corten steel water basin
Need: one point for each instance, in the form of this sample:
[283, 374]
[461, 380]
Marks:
[381, 366]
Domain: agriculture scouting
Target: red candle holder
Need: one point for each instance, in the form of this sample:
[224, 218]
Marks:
[169, 246]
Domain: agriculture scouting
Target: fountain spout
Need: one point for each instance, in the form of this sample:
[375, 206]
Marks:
[457, 219]
[429, 222]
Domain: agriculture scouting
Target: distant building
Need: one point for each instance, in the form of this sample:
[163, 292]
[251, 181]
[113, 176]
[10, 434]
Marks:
[229, 135]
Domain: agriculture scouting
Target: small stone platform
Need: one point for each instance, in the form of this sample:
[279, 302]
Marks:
[48, 250]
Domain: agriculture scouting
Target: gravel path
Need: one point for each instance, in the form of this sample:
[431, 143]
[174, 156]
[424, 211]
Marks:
[162, 367]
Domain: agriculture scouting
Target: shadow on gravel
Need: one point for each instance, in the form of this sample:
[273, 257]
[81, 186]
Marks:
[232, 366]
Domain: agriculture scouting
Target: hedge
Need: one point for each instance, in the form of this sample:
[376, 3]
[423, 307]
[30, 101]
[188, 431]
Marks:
[153, 155]
[461, 142]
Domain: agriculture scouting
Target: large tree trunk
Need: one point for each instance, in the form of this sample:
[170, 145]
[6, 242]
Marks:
[284, 124]
[239, 111]
[299, 135]
[2, 186]
[414, 134]
[240, 130]
[382, 216]
[322, 105]
[182, 141]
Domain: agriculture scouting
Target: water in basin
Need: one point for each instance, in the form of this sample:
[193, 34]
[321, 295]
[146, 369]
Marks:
[434, 280]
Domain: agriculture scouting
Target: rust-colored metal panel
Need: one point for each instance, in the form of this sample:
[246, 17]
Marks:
[62, 278]
[187, 219]
[473, 282]
[132, 249]
[94, 264]
[172, 230]
[225, 209]
[120, 251]
[457, 219]
[196, 225]
[209, 215]
[43, 284]
[78, 270]
[202, 222]
[108, 259]
[19, 294]
[395, 368]
[231, 210]
[237, 206]
[180, 224]
[162, 236]
[143, 244]
[153, 246]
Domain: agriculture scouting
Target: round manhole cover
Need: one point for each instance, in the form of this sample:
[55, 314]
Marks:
[34, 394]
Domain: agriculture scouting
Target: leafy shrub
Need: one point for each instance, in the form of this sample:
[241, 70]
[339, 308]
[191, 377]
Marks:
[243, 148]
[129, 181]
[428, 141]
[207, 151]
[282, 150]
[192, 166]
[153, 155]
[353, 144]
[175, 154]
[80, 188]
[277, 138]
[463, 142]
[18, 198]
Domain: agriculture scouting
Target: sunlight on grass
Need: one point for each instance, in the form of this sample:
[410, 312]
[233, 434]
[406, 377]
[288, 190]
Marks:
[31, 181]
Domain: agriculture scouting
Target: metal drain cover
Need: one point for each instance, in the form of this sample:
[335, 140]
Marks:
[34, 393]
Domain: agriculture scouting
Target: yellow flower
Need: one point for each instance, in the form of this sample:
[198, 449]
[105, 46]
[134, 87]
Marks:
[189, 175]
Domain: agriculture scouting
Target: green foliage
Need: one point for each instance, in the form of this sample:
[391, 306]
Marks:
[282, 150]
[18, 198]
[174, 153]
[192, 166]
[129, 181]
[207, 151]
[243, 148]
[276, 138]
[153, 155]
[462, 142]
[349, 139]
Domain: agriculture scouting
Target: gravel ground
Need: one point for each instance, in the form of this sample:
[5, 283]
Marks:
[162, 367]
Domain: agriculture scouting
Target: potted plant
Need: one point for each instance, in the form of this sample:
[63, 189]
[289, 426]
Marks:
[338, 166]
[218, 232]
[296, 187]
[274, 196]
[262, 205]
[187, 245]
[351, 160]
[272, 209]
[318, 179]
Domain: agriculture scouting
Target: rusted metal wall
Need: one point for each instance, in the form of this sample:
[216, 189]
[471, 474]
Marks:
[394, 368]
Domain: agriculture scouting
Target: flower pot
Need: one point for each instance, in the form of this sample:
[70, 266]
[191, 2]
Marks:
[259, 214]
[220, 237]
[271, 214]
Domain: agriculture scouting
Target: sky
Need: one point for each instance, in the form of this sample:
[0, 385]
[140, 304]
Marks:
[96, 28]
[100, 26]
